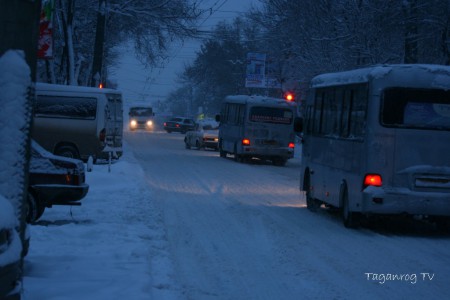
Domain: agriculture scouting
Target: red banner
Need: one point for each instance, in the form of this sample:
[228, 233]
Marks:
[45, 42]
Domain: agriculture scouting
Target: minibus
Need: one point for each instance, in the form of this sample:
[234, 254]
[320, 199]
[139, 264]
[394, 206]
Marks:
[257, 127]
[376, 141]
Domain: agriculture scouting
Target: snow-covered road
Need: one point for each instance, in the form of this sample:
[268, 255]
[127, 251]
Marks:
[242, 231]
[172, 223]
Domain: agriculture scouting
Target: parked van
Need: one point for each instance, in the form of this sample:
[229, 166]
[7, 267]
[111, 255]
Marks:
[78, 122]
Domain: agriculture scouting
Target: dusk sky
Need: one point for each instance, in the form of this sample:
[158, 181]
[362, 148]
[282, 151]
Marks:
[149, 86]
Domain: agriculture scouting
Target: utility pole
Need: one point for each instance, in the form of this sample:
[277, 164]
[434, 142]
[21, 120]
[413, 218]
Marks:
[97, 76]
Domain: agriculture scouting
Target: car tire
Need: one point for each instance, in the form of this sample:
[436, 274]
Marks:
[67, 151]
[35, 208]
[186, 143]
[197, 144]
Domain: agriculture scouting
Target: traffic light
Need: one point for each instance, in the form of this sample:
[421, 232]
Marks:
[289, 96]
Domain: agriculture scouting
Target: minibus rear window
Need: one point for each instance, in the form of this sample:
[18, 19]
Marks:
[416, 108]
[271, 115]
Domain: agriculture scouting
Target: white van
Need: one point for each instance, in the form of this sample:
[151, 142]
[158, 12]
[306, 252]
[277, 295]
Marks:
[78, 122]
[257, 126]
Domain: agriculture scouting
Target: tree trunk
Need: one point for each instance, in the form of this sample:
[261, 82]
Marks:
[97, 76]
[411, 32]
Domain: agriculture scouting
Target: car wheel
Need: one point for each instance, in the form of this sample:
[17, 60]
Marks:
[186, 143]
[35, 208]
[197, 144]
[67, 151]
[349, 218]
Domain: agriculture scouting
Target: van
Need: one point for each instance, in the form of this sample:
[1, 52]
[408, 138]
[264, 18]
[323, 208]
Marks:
[78, 122]
[257, 127]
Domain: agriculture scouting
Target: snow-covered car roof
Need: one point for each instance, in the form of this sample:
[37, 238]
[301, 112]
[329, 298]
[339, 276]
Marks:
[45, 165]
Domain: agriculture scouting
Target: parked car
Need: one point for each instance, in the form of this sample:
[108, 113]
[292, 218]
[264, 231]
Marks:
[141, 118]
[179, 124]
[204, 136]
[10, 251]
[53, 180]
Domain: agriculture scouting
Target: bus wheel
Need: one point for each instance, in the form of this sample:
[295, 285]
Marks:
[222, 153]
[311, 203]
[237, 157]
[67, 151]
[349, 218]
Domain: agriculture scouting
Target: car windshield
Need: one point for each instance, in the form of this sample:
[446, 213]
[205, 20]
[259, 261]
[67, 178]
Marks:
[141, 111]
[416, 108]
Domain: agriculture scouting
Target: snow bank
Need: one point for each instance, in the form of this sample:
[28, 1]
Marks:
[14, 83]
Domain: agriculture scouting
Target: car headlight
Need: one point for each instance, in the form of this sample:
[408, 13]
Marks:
[149, 123]
[133, 123]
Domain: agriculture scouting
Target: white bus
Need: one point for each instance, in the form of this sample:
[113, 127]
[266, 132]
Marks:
[77, 121]
[377, 141]
[257, 127]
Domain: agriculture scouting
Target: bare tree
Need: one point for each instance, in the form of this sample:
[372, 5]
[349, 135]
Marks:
[150, 24]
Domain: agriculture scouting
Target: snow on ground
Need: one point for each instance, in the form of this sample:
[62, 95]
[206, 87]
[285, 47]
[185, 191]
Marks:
[187, 224]
[111, 247]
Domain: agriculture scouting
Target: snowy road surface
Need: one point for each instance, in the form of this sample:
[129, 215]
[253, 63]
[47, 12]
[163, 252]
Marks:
[172, 223]
[240, 231]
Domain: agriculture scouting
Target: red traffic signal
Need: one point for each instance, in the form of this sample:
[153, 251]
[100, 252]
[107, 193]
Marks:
[289, 96]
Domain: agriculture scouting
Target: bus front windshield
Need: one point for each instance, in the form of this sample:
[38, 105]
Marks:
[272, 115]
[141, 112]
[416, 108]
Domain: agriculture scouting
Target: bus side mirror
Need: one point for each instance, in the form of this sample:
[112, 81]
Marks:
[217, 118]
[298, 124]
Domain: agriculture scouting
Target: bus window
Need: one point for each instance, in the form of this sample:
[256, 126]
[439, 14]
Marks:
[317, 115]
[358, 112]
[347, 102]
[416, 108]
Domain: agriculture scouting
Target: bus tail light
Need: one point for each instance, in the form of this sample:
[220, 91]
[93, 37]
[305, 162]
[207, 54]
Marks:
[245, 142]
[372, 180]
[291, 145]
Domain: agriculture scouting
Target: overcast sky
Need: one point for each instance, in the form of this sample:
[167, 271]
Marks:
[150, 86]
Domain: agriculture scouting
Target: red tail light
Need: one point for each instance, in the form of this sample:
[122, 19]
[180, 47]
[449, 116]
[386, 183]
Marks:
[246, 142]
[372, 180]
[102, 136]
[291, 145]
[177, 125]
[165, 124]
